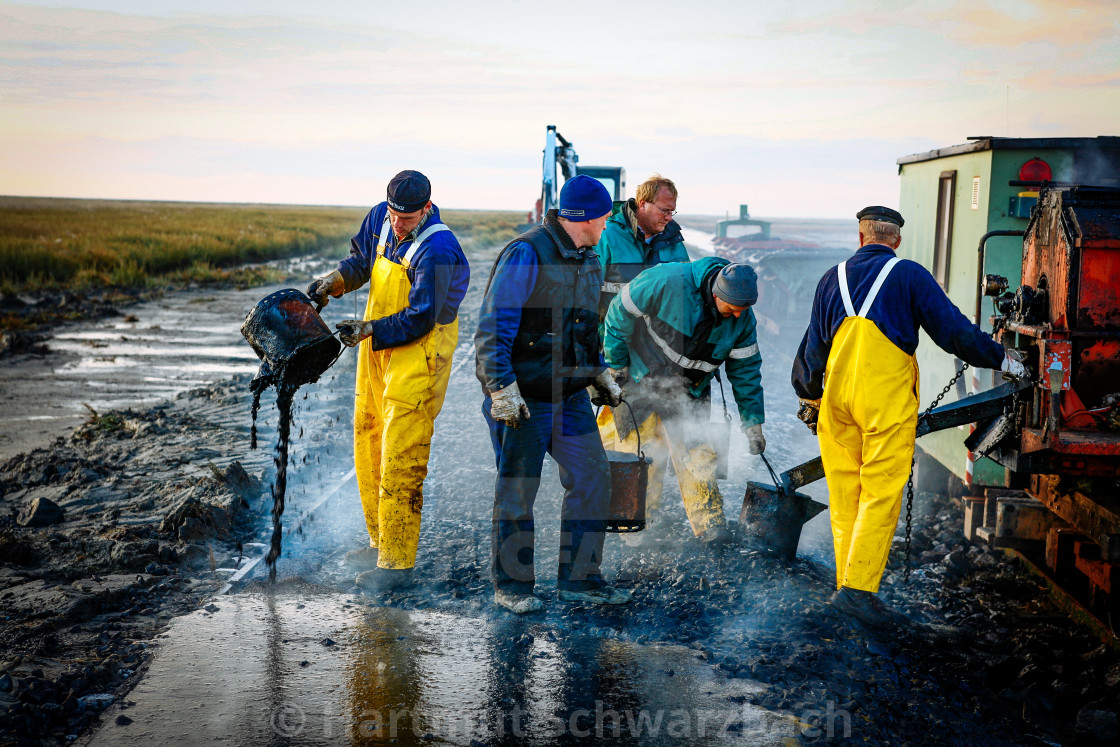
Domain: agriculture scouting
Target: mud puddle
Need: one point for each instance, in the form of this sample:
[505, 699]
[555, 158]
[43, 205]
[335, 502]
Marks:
[148, 353]
[330, 670]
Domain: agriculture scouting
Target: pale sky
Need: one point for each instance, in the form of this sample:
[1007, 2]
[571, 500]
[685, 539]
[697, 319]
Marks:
[798, 108]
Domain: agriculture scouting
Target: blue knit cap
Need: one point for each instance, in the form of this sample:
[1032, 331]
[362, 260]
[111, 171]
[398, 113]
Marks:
[737, 285]
[583, 199]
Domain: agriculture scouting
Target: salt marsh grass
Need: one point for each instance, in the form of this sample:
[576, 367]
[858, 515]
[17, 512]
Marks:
[48, 244]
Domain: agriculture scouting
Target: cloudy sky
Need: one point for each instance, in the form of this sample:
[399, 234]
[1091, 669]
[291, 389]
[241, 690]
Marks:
[798, 107]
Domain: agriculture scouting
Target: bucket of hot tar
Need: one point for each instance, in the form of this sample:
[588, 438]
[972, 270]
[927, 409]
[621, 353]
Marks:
[291, 339]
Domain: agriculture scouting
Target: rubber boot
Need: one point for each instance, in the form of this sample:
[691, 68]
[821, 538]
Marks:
[384, 580]
[867, 608]
[362, 559]
[717, 536]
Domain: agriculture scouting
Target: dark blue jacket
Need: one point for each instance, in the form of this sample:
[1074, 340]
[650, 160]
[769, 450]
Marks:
[538, 323]
[909, 299]
[439, 275]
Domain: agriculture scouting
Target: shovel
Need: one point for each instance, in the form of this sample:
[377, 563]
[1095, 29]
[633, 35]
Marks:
[772, 515]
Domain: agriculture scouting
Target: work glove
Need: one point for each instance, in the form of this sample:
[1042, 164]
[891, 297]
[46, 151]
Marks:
[756, 442]
[620, 375]
[808, 412]
[606, 390]
[508, 407]
[354, 331]
[1013, 367]
[322, 289]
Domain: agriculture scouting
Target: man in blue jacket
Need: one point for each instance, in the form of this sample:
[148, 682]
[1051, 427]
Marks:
[538, 351]
[857, 378]
[418, 276]
[666, 335]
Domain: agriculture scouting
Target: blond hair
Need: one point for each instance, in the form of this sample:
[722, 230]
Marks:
[647, 190]
[879, 232]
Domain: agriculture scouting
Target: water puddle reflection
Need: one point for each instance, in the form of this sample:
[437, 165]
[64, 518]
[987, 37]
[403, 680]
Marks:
[325, 670]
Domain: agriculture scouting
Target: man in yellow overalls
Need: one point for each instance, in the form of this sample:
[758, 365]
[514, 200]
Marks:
[418, 276]
[857, 378]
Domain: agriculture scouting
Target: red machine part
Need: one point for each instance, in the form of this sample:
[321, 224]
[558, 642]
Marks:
[1098, 303]
[1056, 354]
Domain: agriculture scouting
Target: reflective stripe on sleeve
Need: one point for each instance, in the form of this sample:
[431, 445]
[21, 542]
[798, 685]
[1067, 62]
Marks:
[613, 287]
[672, 355]
[749, 351]
[628, 303]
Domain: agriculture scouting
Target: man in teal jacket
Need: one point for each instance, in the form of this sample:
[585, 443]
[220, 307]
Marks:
[666, 334]
[640, 234]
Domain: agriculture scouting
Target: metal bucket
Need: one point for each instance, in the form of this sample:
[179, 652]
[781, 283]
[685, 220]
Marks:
[629, 477]
[771, 519]
[291, 339]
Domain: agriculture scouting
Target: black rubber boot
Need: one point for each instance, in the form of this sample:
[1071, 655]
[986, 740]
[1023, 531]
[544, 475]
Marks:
[383, 580]
[866, 607]
[362, 559]
[717, 537]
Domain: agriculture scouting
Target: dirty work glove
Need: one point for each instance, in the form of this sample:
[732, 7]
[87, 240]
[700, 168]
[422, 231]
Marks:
[606, 390]
[354, 331]
[621, 375]
[322, 289]
[1013, 367]
[508, 407]
[756, 442]
[808, 412]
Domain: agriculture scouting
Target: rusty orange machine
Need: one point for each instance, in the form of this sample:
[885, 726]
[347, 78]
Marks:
[1061, 444]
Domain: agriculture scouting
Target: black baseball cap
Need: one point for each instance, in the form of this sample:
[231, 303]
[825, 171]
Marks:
[409, 191]
[878, 212]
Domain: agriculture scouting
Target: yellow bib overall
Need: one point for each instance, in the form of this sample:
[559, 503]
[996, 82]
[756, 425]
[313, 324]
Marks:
[398, 393]
[867, 425]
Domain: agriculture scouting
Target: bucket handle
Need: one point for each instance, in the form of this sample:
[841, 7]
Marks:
[634, 420]
[637, 428]
[722, 397]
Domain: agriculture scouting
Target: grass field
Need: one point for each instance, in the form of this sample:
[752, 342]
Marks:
[48, 244]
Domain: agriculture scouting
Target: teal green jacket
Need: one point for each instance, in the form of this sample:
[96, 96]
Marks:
[623, 251]
[665, 322]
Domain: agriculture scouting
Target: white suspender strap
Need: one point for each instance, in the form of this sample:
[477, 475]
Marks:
[882, 278]
[427, 233]
[384, 237]
[842, 276]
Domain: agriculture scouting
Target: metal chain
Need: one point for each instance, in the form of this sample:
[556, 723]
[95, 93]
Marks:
[910, 480]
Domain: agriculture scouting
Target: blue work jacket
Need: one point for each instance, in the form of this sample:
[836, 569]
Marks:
[538, 325]
[439, 275]
[910, 298]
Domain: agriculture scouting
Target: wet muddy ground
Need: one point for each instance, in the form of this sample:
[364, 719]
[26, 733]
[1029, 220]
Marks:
[163, 502]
